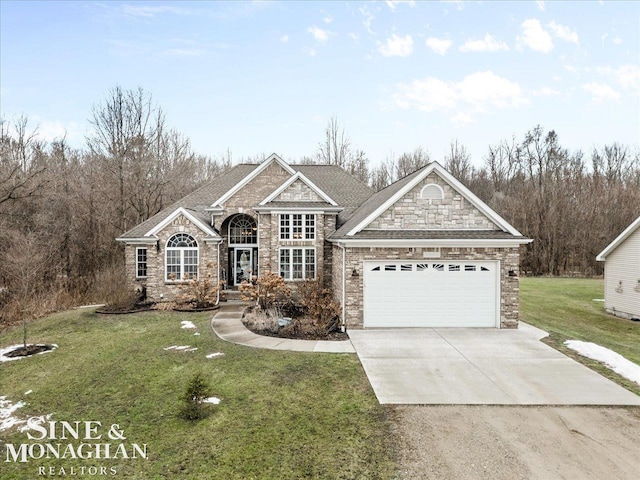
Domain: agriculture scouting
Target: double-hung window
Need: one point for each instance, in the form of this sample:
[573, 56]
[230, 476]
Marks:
[141, 262]
[297, 226]
[298, 263]
[181, 258]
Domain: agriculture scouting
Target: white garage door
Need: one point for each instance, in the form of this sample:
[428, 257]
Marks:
[434, 293]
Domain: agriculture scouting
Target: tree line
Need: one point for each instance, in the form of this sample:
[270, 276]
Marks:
[61, 208]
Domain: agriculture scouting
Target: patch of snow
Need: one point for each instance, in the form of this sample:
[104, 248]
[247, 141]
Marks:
[7, 417]
[95, 305]
[611, 359]
[197, 334]
[215, 354]
[214, 400]
[182, 348]
[187, 324]
[598, 299]
[4, 351]
[28, 392]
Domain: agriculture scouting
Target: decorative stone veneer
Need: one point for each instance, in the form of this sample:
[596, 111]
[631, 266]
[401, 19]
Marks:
[509, 285]
[298, 191]
[451, 213]
[158, 289]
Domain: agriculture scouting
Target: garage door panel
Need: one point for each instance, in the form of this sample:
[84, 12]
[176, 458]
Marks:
[433, 294]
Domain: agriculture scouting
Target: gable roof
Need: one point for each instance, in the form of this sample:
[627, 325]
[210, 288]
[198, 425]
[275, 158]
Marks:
[190, 216]
[273, 158]
[619, 240]
[298, 176]
[385, 198]
[337, 184]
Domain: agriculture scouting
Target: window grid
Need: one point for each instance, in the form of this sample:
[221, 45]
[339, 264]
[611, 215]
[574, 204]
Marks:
[181, 258]
[298, 263]
[297, 226]
[141, 262]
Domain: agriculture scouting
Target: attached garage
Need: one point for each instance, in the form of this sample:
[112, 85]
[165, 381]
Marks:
[434, 293]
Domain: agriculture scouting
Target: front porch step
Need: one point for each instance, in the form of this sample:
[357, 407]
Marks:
[234, 296]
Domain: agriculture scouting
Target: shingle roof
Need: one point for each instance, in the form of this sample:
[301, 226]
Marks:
[368, 207]
[342, 187]
[197, 201]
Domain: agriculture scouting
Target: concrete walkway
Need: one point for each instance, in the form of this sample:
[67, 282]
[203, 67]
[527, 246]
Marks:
[227, 324]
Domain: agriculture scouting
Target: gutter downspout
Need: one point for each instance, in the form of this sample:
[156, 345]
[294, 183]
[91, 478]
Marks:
[218, 276]
[344, 288]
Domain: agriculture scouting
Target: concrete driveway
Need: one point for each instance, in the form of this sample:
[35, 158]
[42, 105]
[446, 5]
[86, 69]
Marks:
[465, 366]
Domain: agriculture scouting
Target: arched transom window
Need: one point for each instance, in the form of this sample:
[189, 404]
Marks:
[432, 191]
[181, 257]
[243, 230]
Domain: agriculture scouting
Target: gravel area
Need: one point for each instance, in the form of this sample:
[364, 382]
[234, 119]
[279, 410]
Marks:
[532, 443]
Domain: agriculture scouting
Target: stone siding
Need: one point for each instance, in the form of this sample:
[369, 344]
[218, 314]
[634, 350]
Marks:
[416, 213]
[509, 285]
[299, 191]
[158, 289]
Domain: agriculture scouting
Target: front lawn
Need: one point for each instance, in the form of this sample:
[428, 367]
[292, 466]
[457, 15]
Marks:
[565, 308]
[283, 415]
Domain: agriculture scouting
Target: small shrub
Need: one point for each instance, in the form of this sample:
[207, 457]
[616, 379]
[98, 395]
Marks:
[320, 305]
[193, 407]
[199, 292]
[268, 292]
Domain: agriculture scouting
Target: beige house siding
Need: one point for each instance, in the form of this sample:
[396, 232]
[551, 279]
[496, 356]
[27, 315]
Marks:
[412, 211]
[509, 285]
[622, 278]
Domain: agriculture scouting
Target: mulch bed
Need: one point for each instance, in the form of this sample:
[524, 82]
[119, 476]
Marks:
[141, 307]
[29, 350]
[284, 333]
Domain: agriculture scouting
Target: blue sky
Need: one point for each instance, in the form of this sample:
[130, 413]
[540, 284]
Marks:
[262, 77]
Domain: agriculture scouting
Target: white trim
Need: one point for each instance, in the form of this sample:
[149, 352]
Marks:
[619, 239]
[455, 184]
[432, 185]
[301, 209]
[272, 158]
[306, 181]
[146, 261]
[466, 242]
[138, 241]
[181, 211]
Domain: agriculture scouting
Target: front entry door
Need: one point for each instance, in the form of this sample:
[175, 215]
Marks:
[242, 262]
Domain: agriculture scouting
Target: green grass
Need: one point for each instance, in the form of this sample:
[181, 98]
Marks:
[564, 307]
[283, 415]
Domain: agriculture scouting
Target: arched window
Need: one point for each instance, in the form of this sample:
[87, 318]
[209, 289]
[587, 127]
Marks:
[243, 230]
[432, 191]
[181, 257]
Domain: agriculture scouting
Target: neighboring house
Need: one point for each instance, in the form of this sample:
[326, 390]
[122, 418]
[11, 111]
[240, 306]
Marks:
[424, 251]
[622, 273]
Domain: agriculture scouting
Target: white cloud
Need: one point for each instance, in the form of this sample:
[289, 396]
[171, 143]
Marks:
[617, 40]
[628, 76]
[570, 68]
[284, 38]
[601, 92]
[486, 44]
[310, 51]
[458, 3]
[534, 36]
[184, 52]
[546, 92]
[438, 45]
[462, 119]
[393, 4]
[477, 92]
[564, 33]
[327, 19]
[368, 18]
[540, 4]
[319, 34]
[397, 46]
[150, 11]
